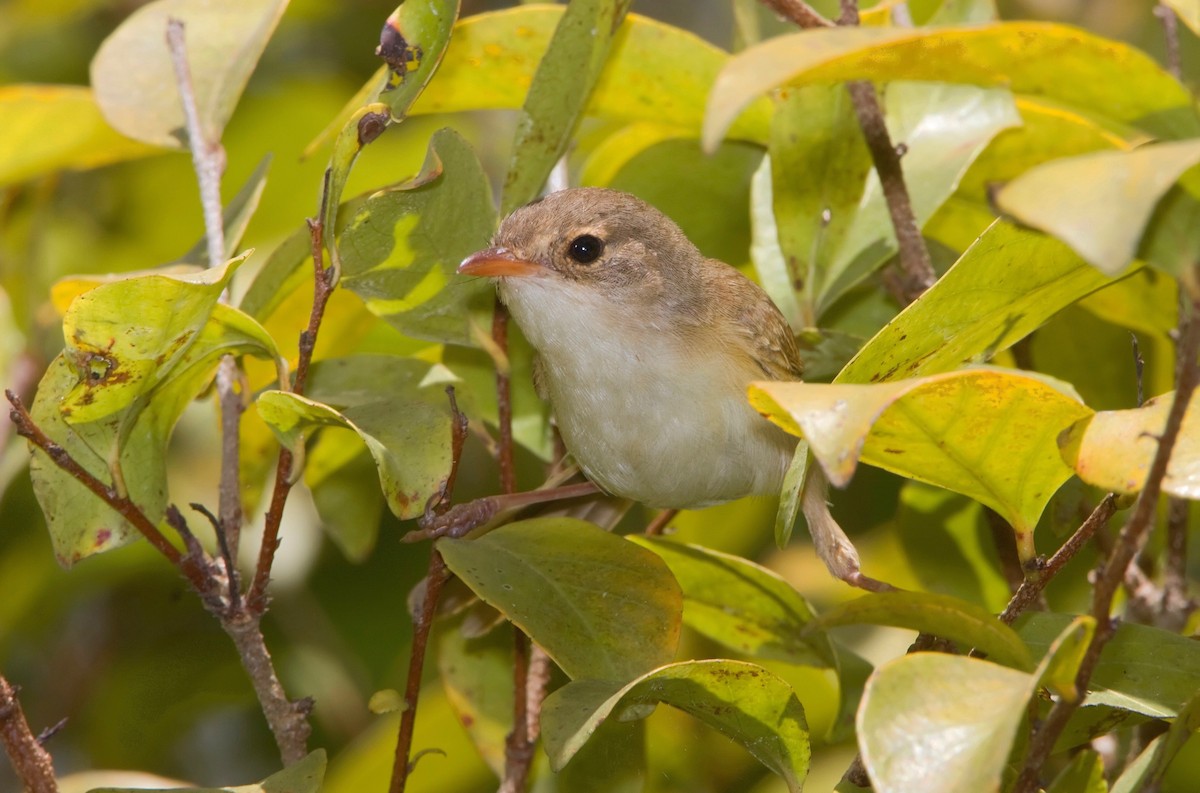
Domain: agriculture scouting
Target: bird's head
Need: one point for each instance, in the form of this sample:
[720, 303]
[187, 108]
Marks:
[593, 239]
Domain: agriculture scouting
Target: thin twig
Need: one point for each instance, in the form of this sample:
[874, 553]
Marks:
[1129, 543]
[1176, 606]
[1170, 23]
[434, 579]
[227, 555]
[283, 468]
[1032, 586]
[518, 749]
[799, 12]
[660, 522]
[29, 758]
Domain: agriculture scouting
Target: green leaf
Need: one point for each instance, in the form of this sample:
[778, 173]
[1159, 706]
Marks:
[612, 761]
[303, 776]
[944, 127]
[743, 606]
[112, 398]
[1001, 289]
[1142, 669]
[1147, 771]
[656, 72]
[477, 676]
[1084, 774]
[345, 491]
[987, 433]
[1102, 77]
[602, 607]
[1112, 195]
[766, 251]
[424, 30]
[401, 249]
[363, 126]
[789, 499]
[405, 427]
[34, 139]
[134, 80]
[743, 701]
[1114, 449]
[1060, 666]
[965, 623]
[940, 723]
[564, 79]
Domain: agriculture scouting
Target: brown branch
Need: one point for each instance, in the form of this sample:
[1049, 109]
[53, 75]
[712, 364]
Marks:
[322, 290]
[434, 580]
[1176, 606]
[29, 758]
[798, 12]
[1033, 585]
[518, 749]
[660, 522]
[1129, 543]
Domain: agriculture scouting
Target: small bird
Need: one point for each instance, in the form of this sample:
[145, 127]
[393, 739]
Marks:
[645, 348]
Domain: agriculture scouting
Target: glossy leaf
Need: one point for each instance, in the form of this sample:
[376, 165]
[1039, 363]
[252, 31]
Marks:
[743, 606]
[743, 701]
[401, 249]
[965, 623]
[1102, 77]
[989, 434]
[940, 723]
[424, 33]
[1112, 195]
[50, 128]
[367, 394]
[656, 72]
[944, 128]
[1114, 449]
[1142, 669]
[134, 80]
[602, 607]
[993, 296]
[564, 79]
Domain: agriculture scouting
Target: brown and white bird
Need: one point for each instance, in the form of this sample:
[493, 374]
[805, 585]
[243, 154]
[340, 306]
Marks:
[645, 348]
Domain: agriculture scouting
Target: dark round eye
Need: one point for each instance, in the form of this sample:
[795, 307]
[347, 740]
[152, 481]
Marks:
[586, 249]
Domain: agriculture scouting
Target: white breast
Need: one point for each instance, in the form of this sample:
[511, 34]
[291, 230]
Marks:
[644, 417]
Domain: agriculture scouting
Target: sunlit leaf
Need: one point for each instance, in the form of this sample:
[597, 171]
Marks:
[1001, 289]
[947, 617]
[742, 605]
[401, 249]
[1188, 11]
[1114, 449]
[51, 128]
[564, 79]
[940, 723]
[1112, 194]
[602, 607]
[745, 702]
[989, 434]
[656, 72]
[1142, 669]
[424, 33]
[134, 80]
[405, 427]
[944, 128]
[1102, 76]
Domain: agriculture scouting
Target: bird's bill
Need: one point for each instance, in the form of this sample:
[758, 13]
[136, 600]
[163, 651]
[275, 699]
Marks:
[496, 262]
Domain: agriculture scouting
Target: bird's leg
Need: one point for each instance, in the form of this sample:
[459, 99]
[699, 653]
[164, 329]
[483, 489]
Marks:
[462, 519]
[832, 545]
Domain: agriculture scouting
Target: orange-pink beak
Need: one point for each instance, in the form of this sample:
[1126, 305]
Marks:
[496, 262]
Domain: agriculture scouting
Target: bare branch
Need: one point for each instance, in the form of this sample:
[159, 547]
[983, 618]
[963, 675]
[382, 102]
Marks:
[29, 758]
[1170, 23]
[799, 12]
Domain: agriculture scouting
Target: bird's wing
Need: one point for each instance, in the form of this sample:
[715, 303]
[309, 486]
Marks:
[752, 316]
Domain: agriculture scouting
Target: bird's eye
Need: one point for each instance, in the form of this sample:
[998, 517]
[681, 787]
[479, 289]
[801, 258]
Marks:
[586, 249]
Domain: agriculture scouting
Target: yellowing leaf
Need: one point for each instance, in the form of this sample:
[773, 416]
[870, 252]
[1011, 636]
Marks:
[1113, 449]
[1101, 77]
[940, 723]
[51, 128]
[134, 80]
[989, 434]
[1112, 194]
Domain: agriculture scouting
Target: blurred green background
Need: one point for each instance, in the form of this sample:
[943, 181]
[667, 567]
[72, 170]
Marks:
[119, 647]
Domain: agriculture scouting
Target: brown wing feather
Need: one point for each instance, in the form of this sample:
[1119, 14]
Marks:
[755, 322]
